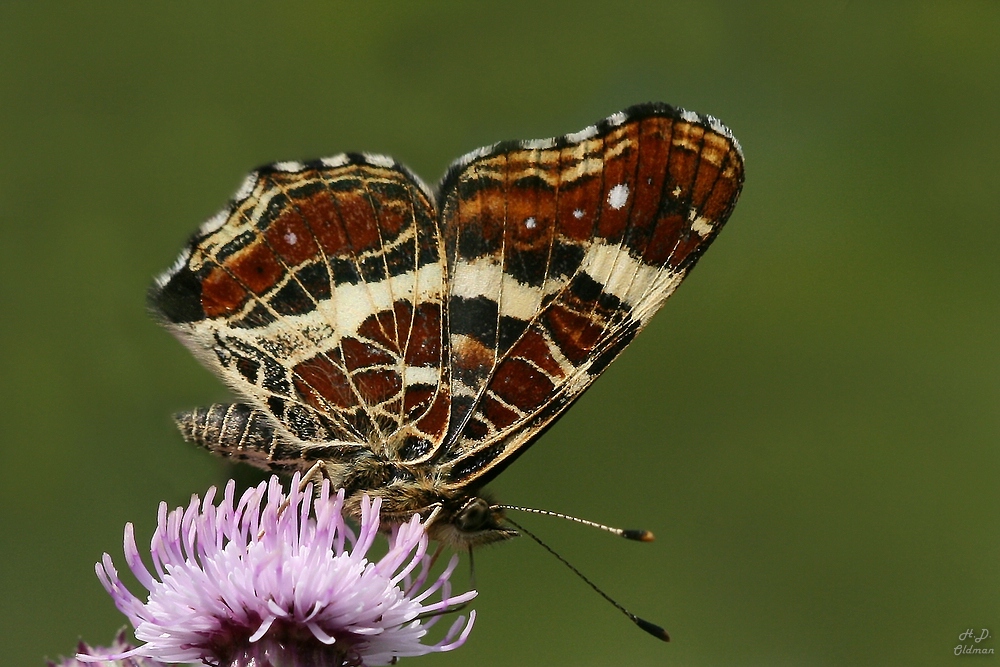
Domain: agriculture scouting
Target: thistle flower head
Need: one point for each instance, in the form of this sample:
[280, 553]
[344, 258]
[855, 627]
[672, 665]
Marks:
[279, 579]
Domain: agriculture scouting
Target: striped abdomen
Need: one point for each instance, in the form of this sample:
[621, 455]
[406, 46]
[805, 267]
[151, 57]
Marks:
[240, 432]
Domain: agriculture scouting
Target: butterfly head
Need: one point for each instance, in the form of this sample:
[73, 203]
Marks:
[469, 521]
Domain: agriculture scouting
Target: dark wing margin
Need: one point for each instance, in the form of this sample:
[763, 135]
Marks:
[559, 251]
[316, 295]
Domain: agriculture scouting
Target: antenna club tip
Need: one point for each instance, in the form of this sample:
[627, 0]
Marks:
[652, 629]
[638, 535]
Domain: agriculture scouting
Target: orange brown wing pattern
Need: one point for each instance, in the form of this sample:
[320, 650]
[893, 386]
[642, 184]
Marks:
[317, 296]
[558, 253]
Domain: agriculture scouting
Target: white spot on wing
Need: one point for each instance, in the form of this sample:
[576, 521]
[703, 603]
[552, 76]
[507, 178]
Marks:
[178, 264]
[335, 161]
[422, 375]
[539, 144]
[582, 135]
[736, 145]
[717, 125]
[690, 117]
[213, 223]
[379, 160]
[246, 187]
[702, 226]
[530, 223]
[617, 119]
[291, 167]
[291, 238]
[469, 157]
[618, 196]
[577, 213]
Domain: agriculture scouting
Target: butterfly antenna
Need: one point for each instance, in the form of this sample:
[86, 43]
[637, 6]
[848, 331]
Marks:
[628, 533]
[651, 628]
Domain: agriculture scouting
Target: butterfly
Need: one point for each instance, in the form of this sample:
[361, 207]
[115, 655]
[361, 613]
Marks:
[413, 342]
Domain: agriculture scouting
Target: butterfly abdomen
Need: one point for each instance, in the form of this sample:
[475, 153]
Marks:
[237, 431]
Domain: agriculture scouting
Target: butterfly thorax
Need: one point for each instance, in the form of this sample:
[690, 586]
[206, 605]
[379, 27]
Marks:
[458, 519]
[461, 518]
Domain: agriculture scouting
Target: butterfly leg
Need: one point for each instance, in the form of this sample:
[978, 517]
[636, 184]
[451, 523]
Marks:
[316, 474]
[472, 570]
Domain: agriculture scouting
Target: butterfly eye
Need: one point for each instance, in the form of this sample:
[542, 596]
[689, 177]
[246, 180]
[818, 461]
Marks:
[474, 516]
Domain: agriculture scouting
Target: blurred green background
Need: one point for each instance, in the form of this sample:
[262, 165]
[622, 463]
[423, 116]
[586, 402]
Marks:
[810, 427]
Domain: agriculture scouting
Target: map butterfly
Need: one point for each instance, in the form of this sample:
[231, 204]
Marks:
[414, 342]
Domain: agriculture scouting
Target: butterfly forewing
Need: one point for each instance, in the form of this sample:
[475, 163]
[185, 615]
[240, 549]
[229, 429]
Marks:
[560, 251]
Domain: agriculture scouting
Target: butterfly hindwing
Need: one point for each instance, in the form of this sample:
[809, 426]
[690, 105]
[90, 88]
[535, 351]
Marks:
[317, 296]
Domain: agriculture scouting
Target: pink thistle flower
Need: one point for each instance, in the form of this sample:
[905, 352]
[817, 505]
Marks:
[279, 579]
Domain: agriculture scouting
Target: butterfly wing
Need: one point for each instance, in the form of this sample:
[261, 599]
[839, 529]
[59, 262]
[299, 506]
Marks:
[559, 251]
[317, 296]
